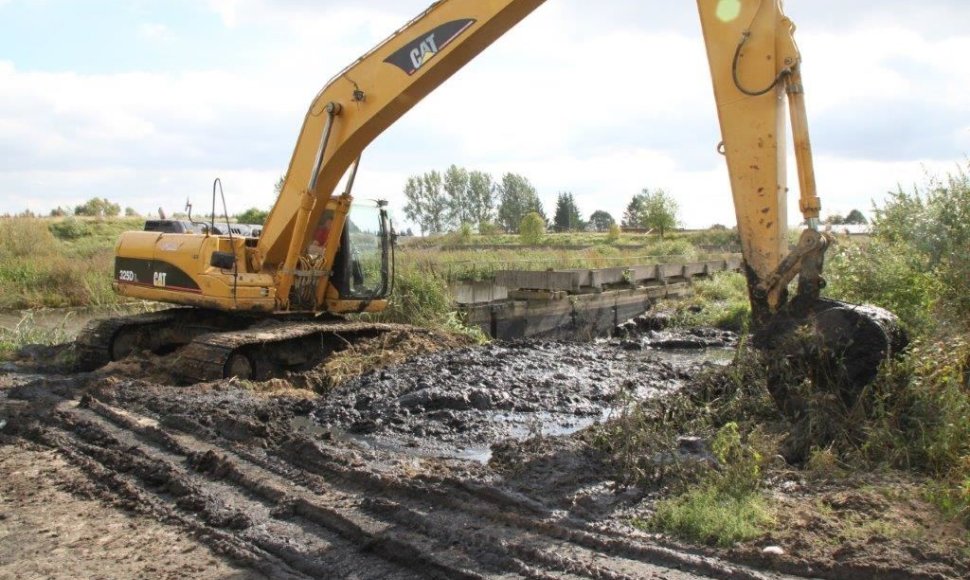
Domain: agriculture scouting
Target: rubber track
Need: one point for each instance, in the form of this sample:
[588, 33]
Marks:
[205, 358]
[93, 344]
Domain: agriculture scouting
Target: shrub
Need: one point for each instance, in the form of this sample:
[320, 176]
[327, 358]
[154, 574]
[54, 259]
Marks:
[98, 207]
[532, 229]
[613, 234]
[69, 229]
[253, 215]
[917, 263]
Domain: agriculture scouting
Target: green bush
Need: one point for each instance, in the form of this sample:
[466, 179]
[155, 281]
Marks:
[69, 229]
[532, 229]
[917, 263]
[613, 234]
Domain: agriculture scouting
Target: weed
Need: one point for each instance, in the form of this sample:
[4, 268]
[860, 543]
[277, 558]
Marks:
[709, 515]
[721, 302]
[28, 332]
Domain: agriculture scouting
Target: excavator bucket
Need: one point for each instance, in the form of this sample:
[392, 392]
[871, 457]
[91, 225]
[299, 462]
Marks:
[833, 350]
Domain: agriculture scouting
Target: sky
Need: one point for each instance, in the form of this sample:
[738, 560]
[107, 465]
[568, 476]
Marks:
[145, 102]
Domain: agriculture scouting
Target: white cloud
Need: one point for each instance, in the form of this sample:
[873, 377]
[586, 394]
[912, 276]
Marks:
[599, 105]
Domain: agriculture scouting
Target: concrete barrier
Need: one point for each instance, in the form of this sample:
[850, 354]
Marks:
[575, 303]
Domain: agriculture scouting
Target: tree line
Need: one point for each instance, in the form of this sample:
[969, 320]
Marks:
[458, 198]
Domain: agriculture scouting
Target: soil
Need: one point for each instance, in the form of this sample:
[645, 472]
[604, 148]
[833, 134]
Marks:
[442, 460]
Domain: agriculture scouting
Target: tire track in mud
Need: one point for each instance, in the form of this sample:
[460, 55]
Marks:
[302, 508]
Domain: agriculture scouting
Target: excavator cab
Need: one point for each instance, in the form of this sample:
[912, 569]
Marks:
[364, 265]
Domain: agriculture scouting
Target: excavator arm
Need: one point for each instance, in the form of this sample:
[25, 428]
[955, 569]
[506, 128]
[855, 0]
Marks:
[362, 101]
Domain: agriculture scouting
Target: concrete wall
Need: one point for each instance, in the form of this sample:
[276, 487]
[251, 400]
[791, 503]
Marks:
[575, 303]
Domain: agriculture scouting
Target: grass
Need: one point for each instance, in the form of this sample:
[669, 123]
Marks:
[28, 332]
[708, 515]
[721, 302]
[48, 263]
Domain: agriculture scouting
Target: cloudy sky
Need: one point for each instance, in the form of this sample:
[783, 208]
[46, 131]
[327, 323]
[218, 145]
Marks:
[146, 101]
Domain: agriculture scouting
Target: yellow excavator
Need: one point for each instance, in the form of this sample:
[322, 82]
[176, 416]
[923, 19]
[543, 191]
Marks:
[253, 305]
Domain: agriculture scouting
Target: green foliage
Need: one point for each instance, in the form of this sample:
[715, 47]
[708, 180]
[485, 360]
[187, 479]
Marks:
[70, 229]
[889, 274]
[428, 203]
[654, 210]
[567, 218]
[740, 463]
[98, 207]
[659, 211]
[856, 217]
[253, 215]
[613, 234]
[707, 515]
[518, 198]
[46, 263]
[720, 301]
[457, 186]
[532, 229]
[422, 298]
[481, 197]
[488, 228]
[26, 238]
[27, 332]
[601, 221]
[917, 263]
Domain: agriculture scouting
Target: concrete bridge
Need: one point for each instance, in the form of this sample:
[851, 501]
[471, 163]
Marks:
[575, 303]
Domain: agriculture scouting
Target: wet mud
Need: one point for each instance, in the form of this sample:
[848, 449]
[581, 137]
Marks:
[455, 463]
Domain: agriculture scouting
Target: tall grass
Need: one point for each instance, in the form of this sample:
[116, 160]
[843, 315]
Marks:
[39, 269]
[27, 332]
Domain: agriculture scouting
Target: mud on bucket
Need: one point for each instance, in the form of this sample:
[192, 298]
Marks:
[834, 353]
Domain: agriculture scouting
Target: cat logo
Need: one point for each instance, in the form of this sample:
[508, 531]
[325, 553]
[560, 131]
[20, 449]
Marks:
[423, 53]
[159, 279]
[413, 56]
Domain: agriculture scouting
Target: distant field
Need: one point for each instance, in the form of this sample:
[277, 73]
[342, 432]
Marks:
[59, 262]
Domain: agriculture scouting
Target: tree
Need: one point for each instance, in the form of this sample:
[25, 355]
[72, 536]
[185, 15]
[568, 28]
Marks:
[532, 228]
[456, 185]
[659, 211]
[856, 217]
[601, 221]
[278, 188]
[518, 199]
[633, 215]
[427, 202]
[481, 198]
[567, 218]
[60, 211]
[835, 220]
[98, 207]
[253, 216]
[130, 212]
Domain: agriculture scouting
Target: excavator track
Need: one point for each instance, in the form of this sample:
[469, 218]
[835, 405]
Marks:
[94, 343]
[262, 351]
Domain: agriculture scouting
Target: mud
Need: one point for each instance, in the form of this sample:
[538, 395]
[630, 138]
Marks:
[454, 463]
